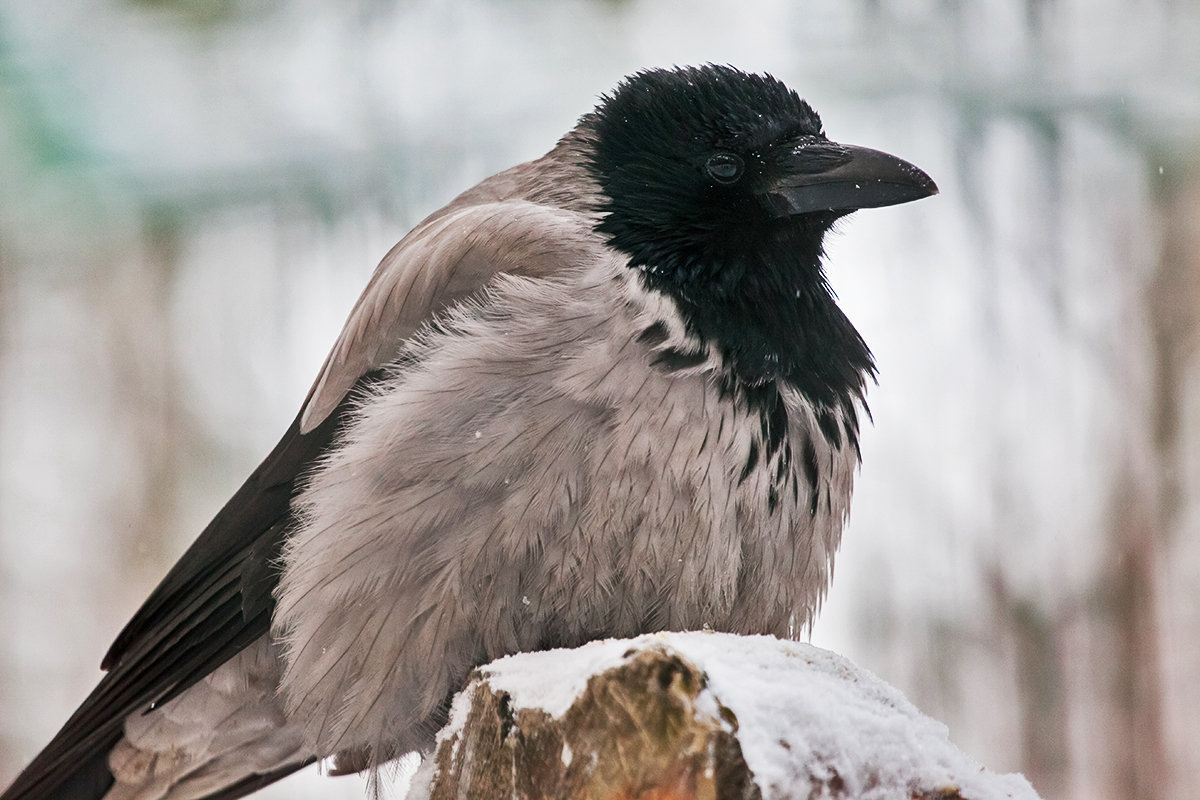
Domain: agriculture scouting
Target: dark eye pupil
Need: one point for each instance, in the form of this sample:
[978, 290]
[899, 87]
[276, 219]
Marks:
[724, 167]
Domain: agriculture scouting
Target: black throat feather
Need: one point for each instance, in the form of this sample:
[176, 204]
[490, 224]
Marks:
[756, 292]
[767, 308]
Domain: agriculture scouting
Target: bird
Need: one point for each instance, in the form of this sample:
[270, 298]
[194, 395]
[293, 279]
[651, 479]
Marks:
[602, 393]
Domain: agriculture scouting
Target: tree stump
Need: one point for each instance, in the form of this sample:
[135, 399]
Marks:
[695, 716]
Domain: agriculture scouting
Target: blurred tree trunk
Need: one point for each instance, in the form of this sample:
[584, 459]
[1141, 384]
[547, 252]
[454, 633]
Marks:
[146, 399]
[1134, 747]
[1161, 640]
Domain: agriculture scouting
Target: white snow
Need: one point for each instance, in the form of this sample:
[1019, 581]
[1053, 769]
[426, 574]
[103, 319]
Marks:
[797, 706]
[527, 676]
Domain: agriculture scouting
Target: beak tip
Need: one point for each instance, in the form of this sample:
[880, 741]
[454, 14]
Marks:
[920, 178]
[919, 182]
[929, 185]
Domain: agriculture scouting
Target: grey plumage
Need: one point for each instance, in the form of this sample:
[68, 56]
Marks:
[602, 393]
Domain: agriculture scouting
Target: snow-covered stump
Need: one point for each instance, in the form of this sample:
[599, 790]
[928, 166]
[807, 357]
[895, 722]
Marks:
[703, 716]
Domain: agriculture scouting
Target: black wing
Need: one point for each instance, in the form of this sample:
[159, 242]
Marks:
[212, 604]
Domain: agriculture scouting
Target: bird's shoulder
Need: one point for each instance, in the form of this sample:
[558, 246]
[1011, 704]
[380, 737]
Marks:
[528, 221]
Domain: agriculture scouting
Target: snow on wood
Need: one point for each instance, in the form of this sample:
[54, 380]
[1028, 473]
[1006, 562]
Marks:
[696, 715]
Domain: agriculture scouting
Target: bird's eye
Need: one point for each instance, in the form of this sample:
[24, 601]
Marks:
[724, 167]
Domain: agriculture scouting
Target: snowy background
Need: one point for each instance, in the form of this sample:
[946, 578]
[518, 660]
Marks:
[193, 192]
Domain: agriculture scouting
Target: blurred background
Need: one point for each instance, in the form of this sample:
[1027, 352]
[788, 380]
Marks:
[193, 192]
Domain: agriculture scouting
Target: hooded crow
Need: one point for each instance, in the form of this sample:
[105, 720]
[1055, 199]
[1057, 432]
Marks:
[602, 393]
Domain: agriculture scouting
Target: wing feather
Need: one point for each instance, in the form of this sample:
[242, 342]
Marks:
[469, 247]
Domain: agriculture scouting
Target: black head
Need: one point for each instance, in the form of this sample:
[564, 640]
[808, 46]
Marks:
[720, 186]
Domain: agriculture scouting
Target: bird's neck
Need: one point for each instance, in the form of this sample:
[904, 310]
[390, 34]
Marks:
[774, 320]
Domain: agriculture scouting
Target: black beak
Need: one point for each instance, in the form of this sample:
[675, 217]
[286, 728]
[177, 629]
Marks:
[826, 176]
